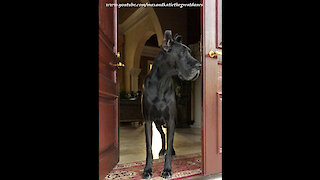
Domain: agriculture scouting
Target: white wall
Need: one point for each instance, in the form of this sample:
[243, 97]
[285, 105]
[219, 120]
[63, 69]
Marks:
[196, 111]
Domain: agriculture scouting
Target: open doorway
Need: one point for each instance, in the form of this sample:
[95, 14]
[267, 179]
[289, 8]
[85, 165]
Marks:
[136, 34]
[140, 34]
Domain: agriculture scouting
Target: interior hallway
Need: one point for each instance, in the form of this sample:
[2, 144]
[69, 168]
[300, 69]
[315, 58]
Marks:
[133, 145]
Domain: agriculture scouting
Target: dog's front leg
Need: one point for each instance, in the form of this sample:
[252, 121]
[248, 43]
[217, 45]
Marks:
[166, 172]
[147, 173]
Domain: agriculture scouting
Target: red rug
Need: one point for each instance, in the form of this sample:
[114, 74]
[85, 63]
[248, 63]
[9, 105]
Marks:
[183, 166]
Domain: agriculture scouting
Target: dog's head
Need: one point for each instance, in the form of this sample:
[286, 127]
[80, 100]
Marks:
[178, 57]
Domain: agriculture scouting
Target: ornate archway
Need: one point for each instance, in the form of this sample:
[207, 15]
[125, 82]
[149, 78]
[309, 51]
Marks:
[135, 31]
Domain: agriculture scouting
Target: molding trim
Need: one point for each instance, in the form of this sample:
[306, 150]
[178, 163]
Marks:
[141, 15]
[134, 19]
[150, 51]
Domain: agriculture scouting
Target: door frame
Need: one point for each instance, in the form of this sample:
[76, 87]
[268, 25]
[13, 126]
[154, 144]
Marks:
[211, 123]
[108, 93]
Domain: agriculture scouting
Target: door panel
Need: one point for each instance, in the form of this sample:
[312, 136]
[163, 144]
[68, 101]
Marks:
[219, 24]
[108, 96]
[212, 124]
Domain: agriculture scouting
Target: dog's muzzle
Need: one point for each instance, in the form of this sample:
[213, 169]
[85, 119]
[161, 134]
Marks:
[195, 73]
[196, 76]
[197, 67]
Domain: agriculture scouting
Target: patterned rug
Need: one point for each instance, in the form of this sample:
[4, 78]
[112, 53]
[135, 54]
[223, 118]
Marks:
[183, 166]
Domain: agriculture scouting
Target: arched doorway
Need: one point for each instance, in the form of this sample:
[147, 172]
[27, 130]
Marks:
[133, 34]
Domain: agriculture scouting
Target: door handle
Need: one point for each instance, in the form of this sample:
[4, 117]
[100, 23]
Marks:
[118, 55]
[213, 54]
[118, 65]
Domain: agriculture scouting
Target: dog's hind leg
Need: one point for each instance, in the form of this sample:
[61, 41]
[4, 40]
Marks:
[147, 172]
[163, 136]
[173, 151]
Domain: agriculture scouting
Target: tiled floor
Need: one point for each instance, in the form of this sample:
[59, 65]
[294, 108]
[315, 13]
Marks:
[133, 145]
[209, 177]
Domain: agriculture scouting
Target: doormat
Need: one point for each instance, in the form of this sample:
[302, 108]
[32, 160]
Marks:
[183, 166]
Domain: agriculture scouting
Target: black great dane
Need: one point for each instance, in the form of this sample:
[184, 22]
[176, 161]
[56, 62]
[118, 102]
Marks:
[158, 99]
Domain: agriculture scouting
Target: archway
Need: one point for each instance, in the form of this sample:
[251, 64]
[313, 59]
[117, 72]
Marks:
[136, 30]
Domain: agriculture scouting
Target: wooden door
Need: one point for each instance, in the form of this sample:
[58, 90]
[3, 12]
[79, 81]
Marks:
[212, 94]
[108, 89]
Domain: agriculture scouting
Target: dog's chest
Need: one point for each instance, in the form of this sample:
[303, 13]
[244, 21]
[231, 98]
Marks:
[158, 108]
[159, 113]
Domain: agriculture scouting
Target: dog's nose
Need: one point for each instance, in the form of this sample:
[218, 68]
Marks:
[198, 65]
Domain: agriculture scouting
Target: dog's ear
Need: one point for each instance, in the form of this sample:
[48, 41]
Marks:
[167, 40]
[178, 38]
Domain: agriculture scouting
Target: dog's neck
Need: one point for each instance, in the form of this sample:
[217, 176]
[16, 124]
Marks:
[161, 74]
[162, 80]
[159, 82]
[160, 71]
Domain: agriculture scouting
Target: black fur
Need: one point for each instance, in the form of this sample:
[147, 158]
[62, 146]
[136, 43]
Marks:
[158, 99]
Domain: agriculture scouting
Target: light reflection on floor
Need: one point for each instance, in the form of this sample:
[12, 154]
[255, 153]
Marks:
[133, 142]
[156, 141]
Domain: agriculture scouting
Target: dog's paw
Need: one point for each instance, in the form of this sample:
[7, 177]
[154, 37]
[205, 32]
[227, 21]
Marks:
[147, 174]
[166, 173]
[173, 152]
[162, 152]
